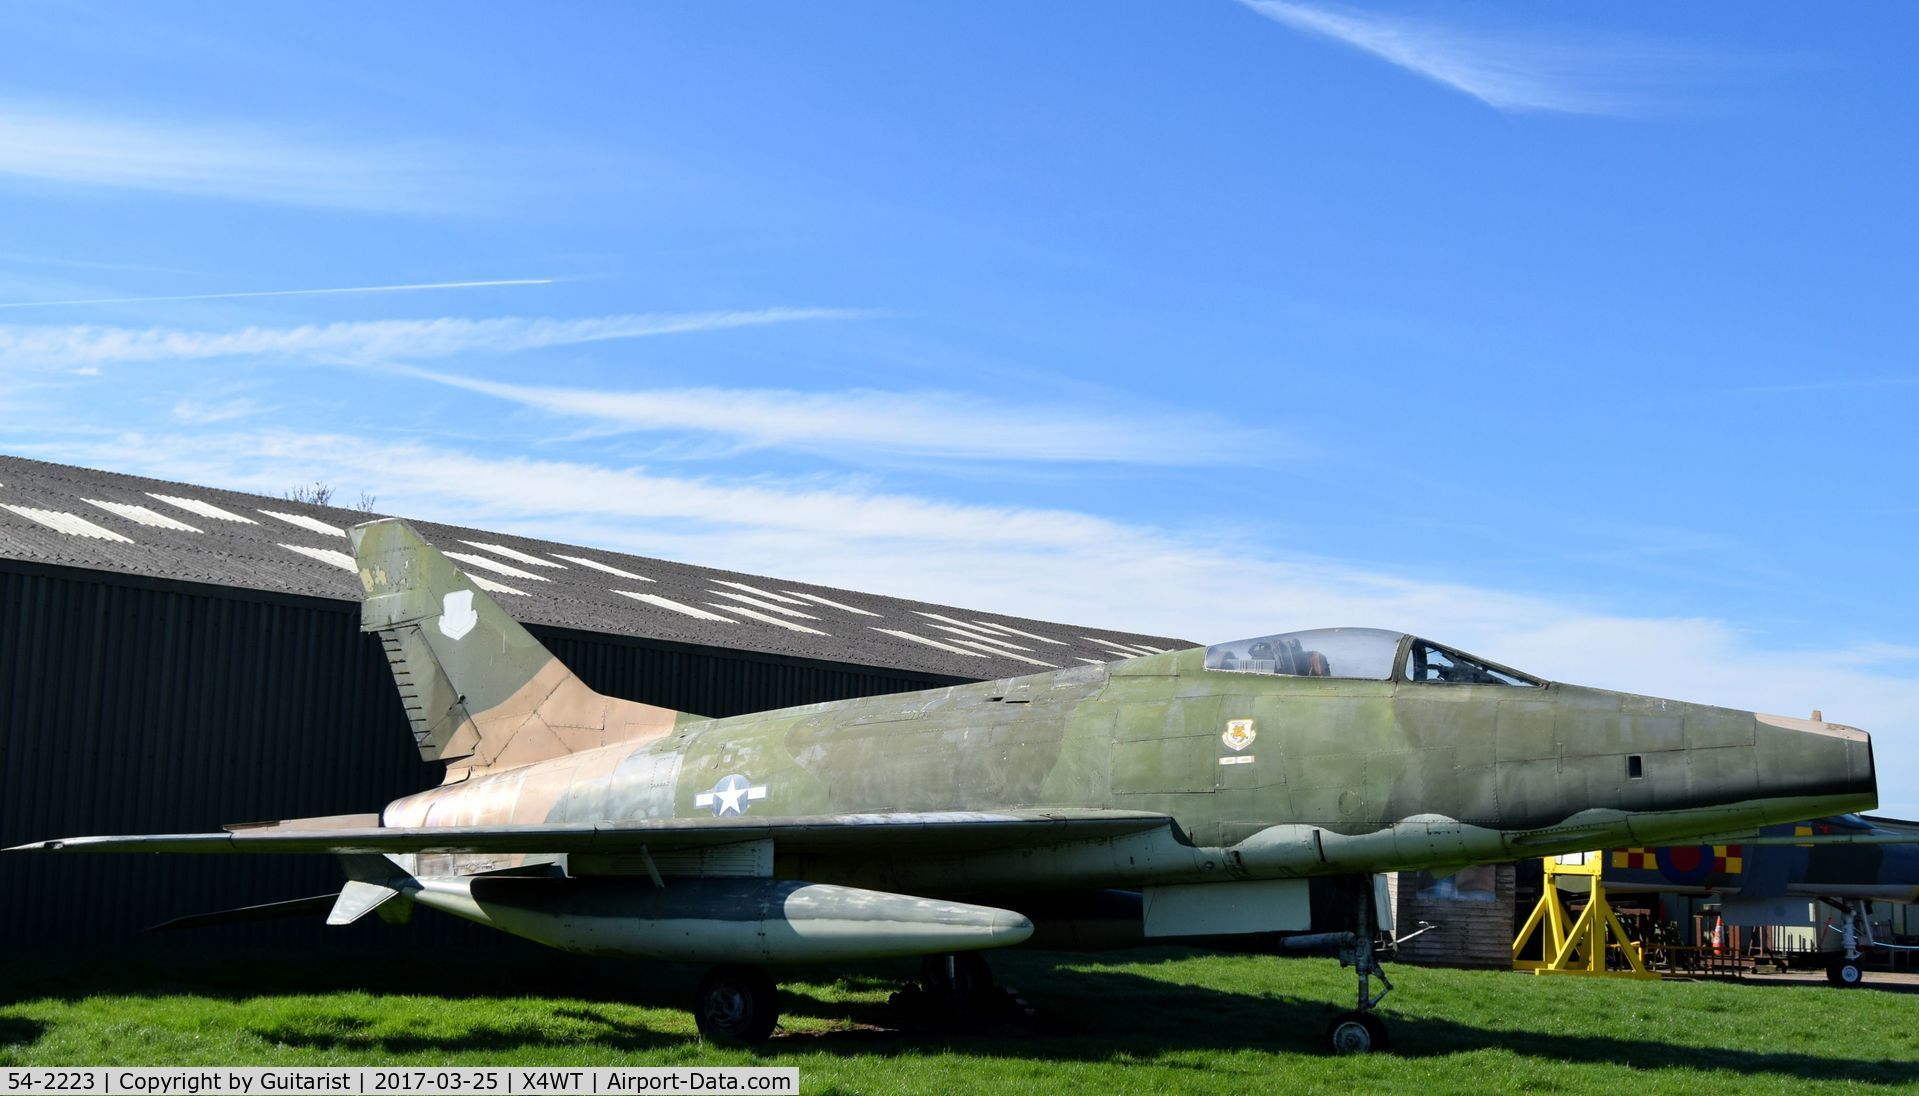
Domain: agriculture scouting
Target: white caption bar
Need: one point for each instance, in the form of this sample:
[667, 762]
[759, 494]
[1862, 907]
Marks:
[397, 1080]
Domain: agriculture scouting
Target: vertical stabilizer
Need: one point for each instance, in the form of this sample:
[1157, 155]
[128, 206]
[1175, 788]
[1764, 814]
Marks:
[479, 690]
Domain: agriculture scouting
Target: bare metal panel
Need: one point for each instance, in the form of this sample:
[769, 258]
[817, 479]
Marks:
[1262, 905]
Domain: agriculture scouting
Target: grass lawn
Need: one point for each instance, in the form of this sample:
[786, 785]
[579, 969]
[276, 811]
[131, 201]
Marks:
[1155, 1022]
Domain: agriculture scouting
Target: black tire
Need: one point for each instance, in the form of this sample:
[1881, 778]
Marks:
[736, 1006]
[1845, 973]
[1357, 1033]
[963, 988]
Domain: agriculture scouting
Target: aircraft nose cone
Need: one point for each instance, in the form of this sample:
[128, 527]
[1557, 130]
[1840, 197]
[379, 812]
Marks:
[1818, 759]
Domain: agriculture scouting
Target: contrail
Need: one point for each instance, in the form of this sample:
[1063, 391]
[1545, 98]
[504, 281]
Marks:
[283, 293]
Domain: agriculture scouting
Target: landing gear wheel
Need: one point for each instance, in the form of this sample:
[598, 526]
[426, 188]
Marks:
[957, 983]
[736, 1006]
[1845, 973]
[1356, 1033]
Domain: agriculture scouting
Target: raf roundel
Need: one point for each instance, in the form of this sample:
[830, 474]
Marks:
[457, 617]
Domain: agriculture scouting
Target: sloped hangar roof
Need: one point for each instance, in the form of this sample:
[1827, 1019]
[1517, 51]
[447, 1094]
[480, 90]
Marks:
[80, 517]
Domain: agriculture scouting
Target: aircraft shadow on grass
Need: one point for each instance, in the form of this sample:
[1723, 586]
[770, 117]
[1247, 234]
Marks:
[18, 1030]
[360, 1035]
[1085, 1014]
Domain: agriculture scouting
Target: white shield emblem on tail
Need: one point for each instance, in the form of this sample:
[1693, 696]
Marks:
[457, 617]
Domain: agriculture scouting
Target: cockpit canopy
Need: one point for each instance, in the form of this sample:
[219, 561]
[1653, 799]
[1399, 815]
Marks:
[1371, 654]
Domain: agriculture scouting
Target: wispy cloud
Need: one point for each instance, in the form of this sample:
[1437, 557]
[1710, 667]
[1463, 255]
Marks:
[201, 412]
[91, 264]
[285, 293]
[1841, 384]
[1508, 71]
[927, 424]
[129, 151]
[366, 342]
[1056, 562]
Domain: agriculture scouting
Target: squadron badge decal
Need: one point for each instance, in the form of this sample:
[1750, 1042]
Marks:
[730, 796]
[457, 617]
[1239, 734]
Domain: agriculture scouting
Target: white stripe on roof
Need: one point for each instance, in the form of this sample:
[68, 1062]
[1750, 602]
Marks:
[767, 618]
[1116, 646]
[971, 632]
[494, 565]
[997, 653]
[485, 583]
[72, 525]
[143, 515]
[995, 641]
[834, 604]
[947, 619]
[305, 522]
[757, 591]
[1017, 632]
[204, 509]
[931, 642]
[676, 606]
[513, 553]
[767, 605]
[607, 567]
[326, 555]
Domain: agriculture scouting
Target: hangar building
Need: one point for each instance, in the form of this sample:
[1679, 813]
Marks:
[174, 658]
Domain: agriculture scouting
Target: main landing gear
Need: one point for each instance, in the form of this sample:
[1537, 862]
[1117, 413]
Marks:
[956, 984]
[1361, 1031]
[736, 1006]
[956, 990]
[739, 1006]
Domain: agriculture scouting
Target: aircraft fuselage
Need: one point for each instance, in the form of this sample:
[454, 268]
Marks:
[1265, 776]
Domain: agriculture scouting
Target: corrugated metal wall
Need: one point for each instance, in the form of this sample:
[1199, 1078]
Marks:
[131, 705]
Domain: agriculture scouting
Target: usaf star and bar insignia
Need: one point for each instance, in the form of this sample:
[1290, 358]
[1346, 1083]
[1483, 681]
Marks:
[732, 795]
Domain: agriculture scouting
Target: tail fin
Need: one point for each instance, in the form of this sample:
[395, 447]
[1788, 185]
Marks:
[480, 691]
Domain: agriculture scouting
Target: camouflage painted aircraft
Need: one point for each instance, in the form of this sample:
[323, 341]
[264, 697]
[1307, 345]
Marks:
[1844, 862]
[1218, 783]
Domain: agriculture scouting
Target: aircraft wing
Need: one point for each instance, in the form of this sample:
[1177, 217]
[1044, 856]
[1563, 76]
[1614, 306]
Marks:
[943, 831]
[1878, 831]
[1823, 839]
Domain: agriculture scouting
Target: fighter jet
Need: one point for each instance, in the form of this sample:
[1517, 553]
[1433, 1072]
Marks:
[1843, 862]
[1219, 784]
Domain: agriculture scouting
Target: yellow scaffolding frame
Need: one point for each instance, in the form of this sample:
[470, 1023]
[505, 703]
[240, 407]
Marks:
[1581, 947]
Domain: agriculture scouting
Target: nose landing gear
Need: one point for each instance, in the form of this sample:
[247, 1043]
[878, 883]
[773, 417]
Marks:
[1360, 1031]
[1855, 929]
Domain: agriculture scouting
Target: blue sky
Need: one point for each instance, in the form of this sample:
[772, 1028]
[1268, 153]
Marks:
[1578, 335]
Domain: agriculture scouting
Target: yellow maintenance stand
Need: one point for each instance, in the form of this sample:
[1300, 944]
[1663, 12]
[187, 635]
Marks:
[1580, 949]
